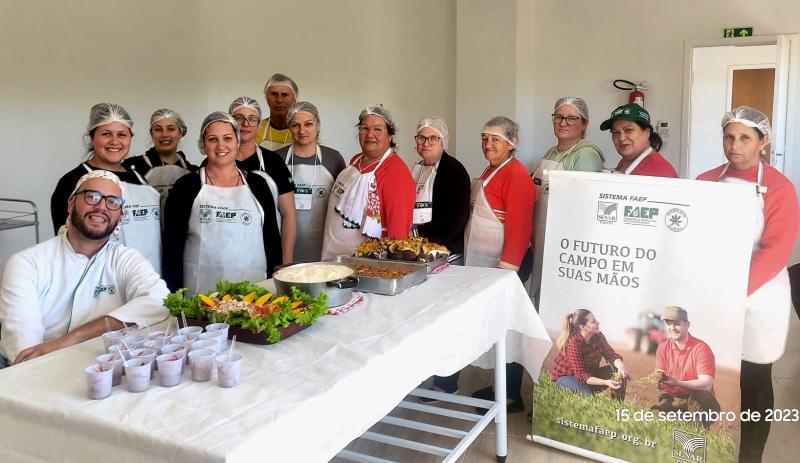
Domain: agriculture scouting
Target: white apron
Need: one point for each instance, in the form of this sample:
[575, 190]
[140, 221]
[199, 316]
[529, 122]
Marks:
[312, 191]
[140, 225]
[163, 177]
[483, 236]
[273, 187]
[635, 162]
[767, 310]
[424, 176]
[541, 182]
[225, 237]
[350, 187]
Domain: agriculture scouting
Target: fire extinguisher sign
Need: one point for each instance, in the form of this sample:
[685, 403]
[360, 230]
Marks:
[732, 32]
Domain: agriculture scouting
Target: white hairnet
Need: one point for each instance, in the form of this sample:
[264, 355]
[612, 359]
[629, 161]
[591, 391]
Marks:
[381, 112]
[576, 102]
[99, 173]
[216, 116]
[106, 113]
[164, 113]
[438, 125]
[303, 107]
[750, 117]
[504, 128]
[245, 102]
[281, 79]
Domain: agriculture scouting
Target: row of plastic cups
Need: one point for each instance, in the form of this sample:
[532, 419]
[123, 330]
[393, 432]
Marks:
[191, 333]
[101, 377]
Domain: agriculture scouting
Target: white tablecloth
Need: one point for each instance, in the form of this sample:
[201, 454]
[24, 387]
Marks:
[302, 400]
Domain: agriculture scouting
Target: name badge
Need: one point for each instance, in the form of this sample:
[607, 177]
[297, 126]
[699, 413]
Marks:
[302, 197]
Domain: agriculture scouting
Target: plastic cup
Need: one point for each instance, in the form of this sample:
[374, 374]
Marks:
[152, 344]
[137, 370]
[220, 337]
[150, 354]
[132, 341]
[202, 363]
[181, 349]
[112, 361]
[98, 381]
[225, 328]
[159, 336]
[170, 368]
[112, 337]
[191, 332]
[119, 350]
[212, 344]
[229, 372]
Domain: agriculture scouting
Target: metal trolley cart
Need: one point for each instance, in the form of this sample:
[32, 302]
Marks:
[12, 217]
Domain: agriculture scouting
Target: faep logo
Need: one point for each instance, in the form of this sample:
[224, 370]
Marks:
[688, 447]
[606, 212]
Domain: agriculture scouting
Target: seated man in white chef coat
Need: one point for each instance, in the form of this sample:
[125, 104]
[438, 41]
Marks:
[72, 287]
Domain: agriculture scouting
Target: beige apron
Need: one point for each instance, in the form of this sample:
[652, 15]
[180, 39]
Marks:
[312, 191]
[484, 233]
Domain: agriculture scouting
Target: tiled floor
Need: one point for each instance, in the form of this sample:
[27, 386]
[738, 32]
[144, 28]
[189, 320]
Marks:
[783, 445]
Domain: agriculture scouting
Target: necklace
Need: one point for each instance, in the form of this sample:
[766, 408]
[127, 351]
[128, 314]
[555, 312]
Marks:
[363, 167]
[211, 181]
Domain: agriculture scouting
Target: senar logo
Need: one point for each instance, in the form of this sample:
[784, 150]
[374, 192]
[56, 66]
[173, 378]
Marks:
[606, 212]
[676, 219]
[688, 447]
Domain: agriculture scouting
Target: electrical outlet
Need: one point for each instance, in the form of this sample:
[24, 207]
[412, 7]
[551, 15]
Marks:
[662, 128]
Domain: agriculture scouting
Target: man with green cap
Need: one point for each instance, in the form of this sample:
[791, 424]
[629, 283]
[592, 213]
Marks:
[688, 368]
[636, 141]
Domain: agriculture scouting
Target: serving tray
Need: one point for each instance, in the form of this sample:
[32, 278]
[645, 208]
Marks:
[386, 286]
[248, 336]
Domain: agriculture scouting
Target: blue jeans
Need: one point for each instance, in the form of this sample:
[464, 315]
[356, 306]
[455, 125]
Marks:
[4, 362]
[571, 384]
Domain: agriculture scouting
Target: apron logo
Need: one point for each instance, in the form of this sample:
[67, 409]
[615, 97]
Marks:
[226, 216]
[205, 215]
[156, 213]
[247, 219]
[606, 212]
[140, 214]
[676, 219]
[321, 192]
[108, 289]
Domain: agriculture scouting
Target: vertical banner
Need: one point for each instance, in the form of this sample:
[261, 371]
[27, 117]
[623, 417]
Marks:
[649, 370]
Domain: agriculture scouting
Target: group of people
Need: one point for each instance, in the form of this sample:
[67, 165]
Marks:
[267, 193]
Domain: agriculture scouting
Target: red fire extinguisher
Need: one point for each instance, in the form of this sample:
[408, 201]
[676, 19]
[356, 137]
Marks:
[637, 95]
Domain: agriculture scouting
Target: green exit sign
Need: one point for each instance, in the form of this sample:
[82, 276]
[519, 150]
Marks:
[737, 32]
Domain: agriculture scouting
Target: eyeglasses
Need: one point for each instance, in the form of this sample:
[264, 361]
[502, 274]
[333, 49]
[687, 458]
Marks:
[421, 139]
[571, 120]
[91, 197]
[363, 129]
[251, 121]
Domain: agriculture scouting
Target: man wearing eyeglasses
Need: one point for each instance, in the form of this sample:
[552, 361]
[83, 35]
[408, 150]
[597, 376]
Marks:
[78, 284]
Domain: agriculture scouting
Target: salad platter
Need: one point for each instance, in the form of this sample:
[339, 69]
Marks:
[255, 314]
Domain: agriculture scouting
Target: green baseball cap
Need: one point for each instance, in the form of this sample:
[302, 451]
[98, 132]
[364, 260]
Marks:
[629, 112]
[675, 314]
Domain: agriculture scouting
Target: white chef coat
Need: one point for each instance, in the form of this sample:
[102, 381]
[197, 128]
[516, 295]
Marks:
[49, 290]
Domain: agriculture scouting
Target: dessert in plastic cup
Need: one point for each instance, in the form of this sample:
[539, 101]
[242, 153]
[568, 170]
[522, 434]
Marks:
[112, 337]
[98, 381]
[229, 369]
[191, 332]
[113, 361]
[202, 364]
[170, 368]
[137, 372]
[225, 328]
[220, 337]
[212, 344]
[145, 353]
[159, 336]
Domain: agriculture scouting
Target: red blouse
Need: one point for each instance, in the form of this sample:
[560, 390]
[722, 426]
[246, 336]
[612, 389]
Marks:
[397, 191]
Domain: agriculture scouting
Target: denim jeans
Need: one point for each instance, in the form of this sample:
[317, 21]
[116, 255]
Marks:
[4, 362]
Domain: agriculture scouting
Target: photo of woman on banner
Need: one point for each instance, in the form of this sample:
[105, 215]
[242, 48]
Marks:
[688, 368]
[637, 143]
[581, 346]
[745, 134]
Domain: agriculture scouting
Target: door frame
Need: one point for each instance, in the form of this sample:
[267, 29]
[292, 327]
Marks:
[792, 122]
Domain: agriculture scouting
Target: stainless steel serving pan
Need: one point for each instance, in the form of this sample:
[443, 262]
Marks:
[387, 286]
[339, 291]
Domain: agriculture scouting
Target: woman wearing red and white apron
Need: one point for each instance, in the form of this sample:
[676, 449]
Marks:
[498, 234]
[374, 196]
[314, 168]
[109, 135]
[220, 222]
[746, 132]
[637, 143]
[573, 152]
[163, 164]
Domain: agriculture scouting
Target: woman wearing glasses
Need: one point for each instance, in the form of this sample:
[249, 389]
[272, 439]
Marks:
[374, 196]
[572, 152]
[219, 222]
[441, 208]
[252, 157]
[109, 135]
[313, 168]
[162, 164]
[637, 143]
